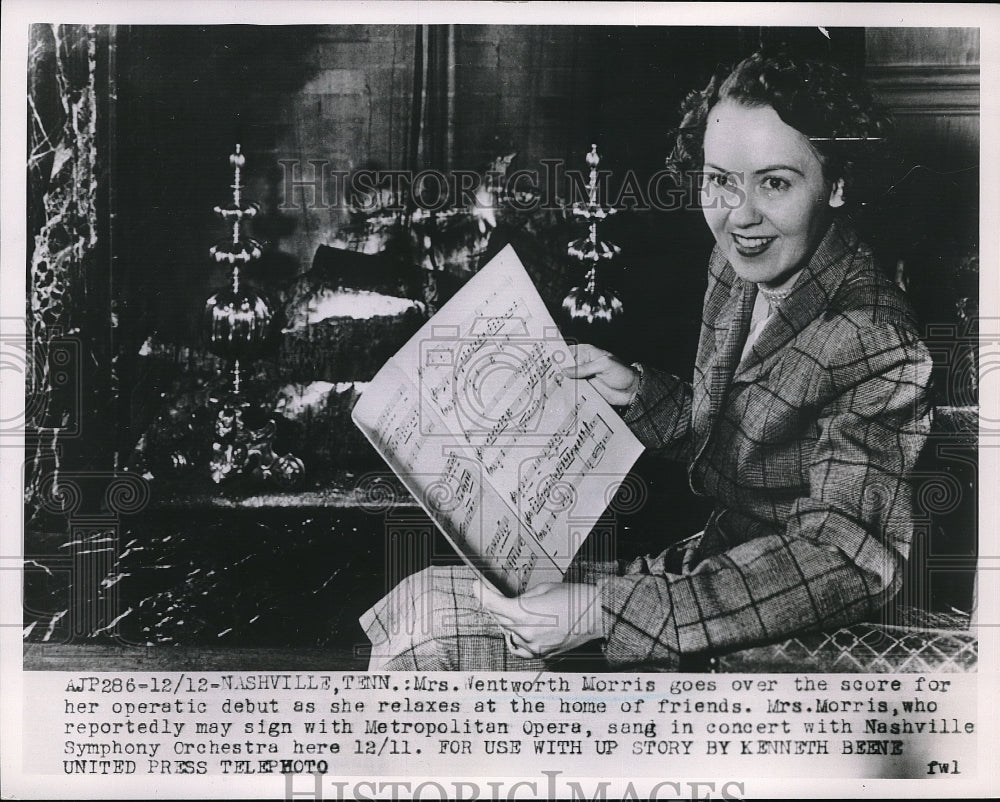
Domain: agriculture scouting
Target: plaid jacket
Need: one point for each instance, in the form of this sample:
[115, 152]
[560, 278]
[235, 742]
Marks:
[805, 446]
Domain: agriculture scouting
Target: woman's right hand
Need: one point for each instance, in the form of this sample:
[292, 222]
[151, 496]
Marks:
[612, 378]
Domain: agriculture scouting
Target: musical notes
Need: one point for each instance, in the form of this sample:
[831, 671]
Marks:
[509, 457]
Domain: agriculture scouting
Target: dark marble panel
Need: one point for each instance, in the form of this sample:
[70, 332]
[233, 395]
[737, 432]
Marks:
[244, 578]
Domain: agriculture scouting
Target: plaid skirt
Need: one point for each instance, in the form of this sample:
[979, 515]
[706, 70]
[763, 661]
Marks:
[434, 621]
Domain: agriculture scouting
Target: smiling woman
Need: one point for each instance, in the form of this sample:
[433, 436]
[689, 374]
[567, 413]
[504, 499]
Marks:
[781, 204]
[781, 145]
[805, 417]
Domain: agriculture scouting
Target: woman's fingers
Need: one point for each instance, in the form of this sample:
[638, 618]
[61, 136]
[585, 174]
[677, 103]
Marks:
[584, 352]
[538, 590]
[613, 395]
[611, 377]
[499, 606]
[588, 361]
[518, 613]
[517, 646]
[510, 613]
[503, 620]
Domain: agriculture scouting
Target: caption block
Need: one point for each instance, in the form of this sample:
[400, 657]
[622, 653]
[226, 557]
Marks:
[343, 724]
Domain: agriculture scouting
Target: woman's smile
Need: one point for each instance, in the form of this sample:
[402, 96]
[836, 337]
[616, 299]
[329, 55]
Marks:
[751, 246]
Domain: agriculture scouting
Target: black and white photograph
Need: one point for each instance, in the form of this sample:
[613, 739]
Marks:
[540, 400]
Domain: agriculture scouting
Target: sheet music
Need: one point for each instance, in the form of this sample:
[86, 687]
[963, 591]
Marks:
[514, 461]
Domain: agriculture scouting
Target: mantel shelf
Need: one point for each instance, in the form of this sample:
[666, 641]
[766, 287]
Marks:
[343, 489]
[330, 490]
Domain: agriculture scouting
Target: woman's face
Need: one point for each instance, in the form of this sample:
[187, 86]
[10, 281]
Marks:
[764, 195]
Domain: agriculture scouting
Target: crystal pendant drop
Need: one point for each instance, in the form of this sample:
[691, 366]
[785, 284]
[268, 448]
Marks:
[237, 323]
[592, 303]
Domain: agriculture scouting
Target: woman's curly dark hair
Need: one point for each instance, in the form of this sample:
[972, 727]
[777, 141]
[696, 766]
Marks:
[818, 98]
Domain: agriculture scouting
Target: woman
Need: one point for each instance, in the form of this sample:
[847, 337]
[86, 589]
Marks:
[806, 413]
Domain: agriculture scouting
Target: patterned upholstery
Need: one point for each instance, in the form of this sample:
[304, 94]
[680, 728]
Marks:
[920, 642]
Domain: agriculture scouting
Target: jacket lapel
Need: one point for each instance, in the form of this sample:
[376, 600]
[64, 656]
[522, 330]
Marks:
[810, 296]
[727, 356]
[732, 324]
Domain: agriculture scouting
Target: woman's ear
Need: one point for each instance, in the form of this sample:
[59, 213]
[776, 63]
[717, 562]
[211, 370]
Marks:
[837, 194]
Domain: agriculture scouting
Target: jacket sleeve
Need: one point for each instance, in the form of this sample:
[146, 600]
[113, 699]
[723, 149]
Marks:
[840, 554]
[660, 414]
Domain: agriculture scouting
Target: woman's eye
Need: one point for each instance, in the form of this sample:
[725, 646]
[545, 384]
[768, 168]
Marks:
[775, 184]
[719, 179]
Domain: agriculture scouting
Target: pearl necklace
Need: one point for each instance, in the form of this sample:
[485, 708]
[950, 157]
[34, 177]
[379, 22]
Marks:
[774, 297]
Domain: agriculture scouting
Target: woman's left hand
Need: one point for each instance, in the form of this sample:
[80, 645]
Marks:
[613, 379]
[550, 618]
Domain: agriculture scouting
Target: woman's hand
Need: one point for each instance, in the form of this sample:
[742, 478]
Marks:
[550, 618]
[611, 377]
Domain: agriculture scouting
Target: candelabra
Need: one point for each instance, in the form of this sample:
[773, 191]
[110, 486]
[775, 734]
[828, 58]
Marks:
[593, 301]
[237, 327]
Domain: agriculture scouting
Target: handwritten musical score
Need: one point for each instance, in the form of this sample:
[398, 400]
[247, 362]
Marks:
[513, 461]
